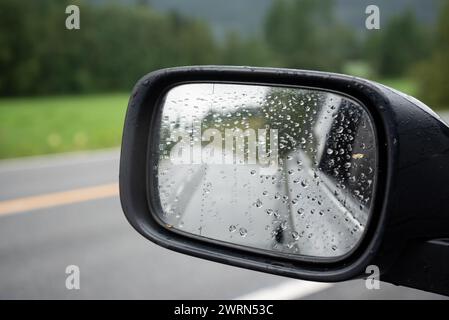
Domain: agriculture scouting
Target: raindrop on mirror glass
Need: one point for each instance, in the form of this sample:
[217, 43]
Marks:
[258, 203]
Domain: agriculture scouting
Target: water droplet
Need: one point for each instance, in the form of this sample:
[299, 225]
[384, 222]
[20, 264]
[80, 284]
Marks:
[243, 232]
[283, 225]
[232, 228]
[295, 235]
[258, 203]
[207, 188]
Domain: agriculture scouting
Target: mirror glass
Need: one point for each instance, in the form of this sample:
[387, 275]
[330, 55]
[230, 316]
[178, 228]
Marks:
[281, 169]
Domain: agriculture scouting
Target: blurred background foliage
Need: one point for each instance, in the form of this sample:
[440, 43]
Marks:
[87, 74]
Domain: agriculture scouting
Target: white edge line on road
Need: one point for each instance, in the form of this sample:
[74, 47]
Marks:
[294, 289]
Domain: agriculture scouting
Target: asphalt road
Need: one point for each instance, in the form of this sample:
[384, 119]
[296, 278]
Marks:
[115, 262]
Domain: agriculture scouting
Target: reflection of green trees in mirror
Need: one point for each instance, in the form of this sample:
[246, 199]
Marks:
[243, 118]
[293, 112]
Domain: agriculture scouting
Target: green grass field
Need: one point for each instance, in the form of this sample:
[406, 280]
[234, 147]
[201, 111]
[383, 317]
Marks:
[42, 125]
[32, 126]
[404, 85]
[363, 70]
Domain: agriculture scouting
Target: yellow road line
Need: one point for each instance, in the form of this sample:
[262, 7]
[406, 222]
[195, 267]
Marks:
[58, 198]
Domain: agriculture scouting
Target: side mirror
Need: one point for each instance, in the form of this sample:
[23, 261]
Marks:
[304, 174]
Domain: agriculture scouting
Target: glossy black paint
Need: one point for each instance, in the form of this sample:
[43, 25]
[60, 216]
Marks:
[412, 202]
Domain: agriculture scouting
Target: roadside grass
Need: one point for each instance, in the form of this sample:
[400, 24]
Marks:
[362, 69]
[43, 125]
[405, 85]
[410, 87]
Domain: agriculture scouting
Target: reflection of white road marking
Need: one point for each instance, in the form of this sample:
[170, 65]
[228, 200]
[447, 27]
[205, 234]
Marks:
[343, 208]
[293, 289]
[326, 189]
[192, 184]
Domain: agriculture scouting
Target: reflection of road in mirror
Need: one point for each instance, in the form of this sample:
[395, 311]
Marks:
[223, 185]
[207, 203]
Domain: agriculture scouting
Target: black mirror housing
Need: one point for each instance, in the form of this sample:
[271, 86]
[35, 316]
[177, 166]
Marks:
[412, 201]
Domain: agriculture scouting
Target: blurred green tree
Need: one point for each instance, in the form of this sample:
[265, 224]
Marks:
[393, 50]
[19, 50]
[252, 51]
[433, 75]
[115, 46]
[306, 34]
